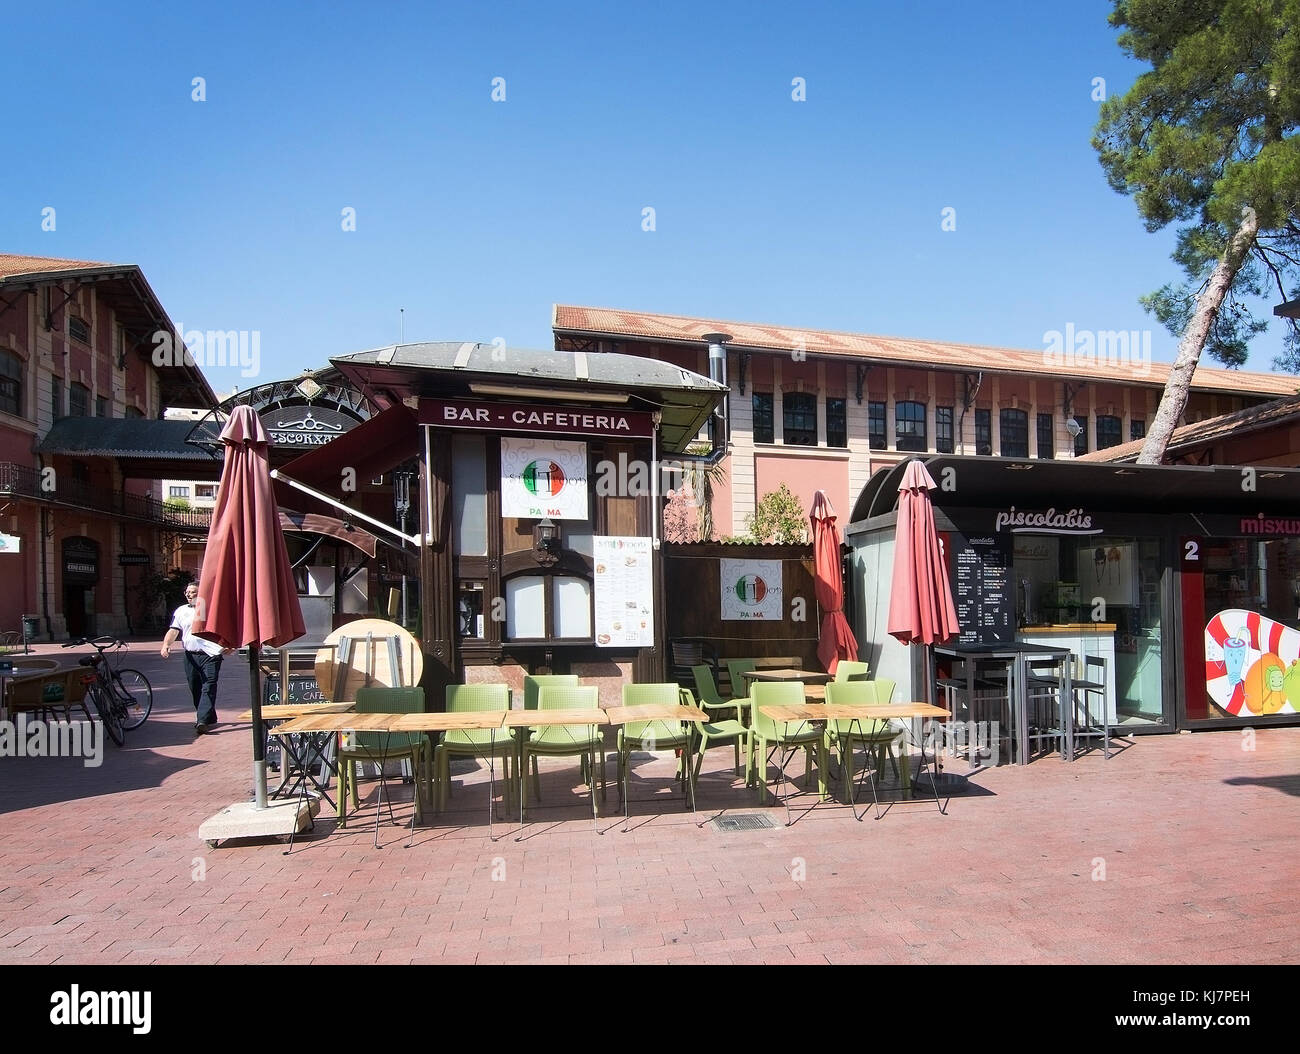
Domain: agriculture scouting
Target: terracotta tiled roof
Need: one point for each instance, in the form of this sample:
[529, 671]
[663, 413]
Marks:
[1202, 433]
[570, 319]
[11, 265]
[132, 300]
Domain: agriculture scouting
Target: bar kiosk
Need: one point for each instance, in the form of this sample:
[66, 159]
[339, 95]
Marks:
[539, 501]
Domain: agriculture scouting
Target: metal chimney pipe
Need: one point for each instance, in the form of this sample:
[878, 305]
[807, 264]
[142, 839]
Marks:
[719, 432]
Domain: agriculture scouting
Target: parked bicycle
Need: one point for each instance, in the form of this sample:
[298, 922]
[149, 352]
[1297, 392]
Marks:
[122, 696]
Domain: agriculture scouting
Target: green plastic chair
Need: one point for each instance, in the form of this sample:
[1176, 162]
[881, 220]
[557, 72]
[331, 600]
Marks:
[711, 702]
[736, 667]
[765, 733]
[651, 735]
[585, 741]
[382, 747]
[719, 732]
[846, 735]
[852, 671]
[534, 683]
[473, 742]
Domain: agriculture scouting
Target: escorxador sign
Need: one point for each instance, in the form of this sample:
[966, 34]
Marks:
[540, 419]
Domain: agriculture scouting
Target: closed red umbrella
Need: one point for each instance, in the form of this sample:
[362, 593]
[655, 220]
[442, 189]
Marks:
[837, 641]
[921, 608]
[247, 595]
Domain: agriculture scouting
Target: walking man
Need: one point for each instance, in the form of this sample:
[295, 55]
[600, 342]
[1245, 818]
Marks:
[202, 661]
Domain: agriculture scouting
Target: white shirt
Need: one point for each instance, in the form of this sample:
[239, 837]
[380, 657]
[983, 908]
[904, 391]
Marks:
[183, 621]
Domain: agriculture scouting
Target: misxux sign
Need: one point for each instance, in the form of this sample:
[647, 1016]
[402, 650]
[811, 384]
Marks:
[539, 419]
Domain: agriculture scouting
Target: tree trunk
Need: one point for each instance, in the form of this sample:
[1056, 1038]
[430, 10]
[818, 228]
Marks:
[1174, 400]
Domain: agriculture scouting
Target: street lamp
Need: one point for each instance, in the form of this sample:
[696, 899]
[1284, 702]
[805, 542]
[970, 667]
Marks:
[402, 506]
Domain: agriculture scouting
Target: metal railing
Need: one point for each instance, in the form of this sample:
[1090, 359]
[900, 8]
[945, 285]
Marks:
[28, 482]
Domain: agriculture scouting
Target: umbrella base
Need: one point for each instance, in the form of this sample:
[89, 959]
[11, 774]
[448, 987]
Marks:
[244, 819]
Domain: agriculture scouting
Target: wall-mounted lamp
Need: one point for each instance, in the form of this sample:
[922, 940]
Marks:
[546, 541]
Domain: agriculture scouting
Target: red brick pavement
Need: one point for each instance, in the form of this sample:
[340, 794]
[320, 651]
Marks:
[1195, 837]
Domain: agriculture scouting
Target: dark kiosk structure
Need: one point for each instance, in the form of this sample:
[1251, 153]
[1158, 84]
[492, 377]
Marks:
[1180, 583]
[537, 515]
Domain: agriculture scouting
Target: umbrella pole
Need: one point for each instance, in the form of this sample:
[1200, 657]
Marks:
[930, 675]
[259, 730]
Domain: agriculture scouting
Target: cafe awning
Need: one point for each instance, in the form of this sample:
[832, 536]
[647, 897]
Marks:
[995, 482]
[314, 523]
[370, 449]
[450, 370]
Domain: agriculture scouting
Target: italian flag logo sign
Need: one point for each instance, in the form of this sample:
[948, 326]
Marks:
[543, 477]
[1252, 664]
[751, 589]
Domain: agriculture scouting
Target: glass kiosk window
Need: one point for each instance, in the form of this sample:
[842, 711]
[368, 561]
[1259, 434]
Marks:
[1072, 589]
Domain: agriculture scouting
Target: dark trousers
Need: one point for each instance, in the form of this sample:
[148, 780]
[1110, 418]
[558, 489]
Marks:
[202, 671]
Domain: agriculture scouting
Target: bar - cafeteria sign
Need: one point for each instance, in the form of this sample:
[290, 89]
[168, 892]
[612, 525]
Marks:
[541, 418]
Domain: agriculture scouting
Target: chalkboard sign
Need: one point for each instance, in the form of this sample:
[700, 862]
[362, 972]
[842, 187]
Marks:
[983, 588]
[302, 689]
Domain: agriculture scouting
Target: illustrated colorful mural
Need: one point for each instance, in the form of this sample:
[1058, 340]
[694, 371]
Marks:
[1252, 664]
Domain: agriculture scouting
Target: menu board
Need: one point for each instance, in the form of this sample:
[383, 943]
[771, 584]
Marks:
[624, 592]
[302, 689]
[983, 588]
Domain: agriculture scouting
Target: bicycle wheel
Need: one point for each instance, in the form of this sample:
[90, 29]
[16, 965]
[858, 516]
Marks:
[108, 714]
[135, 694]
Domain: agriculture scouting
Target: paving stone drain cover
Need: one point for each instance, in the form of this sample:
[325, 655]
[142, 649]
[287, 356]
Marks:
[743, 823]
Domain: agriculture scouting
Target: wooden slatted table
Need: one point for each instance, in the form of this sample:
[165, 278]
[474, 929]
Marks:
[287, 711]
[406, 723]
[628, 715]
[525, 719]
[807, 676]
[820, 713]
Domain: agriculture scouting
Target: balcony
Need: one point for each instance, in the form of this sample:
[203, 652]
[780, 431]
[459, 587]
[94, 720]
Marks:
[25, 482]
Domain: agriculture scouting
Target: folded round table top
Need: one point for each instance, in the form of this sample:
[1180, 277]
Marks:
[369, 666]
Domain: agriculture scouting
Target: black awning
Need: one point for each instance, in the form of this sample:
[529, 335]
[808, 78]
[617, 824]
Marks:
[123, 437]
[995, 482]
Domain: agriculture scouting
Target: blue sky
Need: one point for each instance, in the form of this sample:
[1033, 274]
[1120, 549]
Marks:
[475, 216]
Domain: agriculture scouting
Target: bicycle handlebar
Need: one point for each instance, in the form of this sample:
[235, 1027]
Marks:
[98, 643]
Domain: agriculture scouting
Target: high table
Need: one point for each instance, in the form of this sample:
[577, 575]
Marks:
[686, 714]
[525, 719]
[1016, 656]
